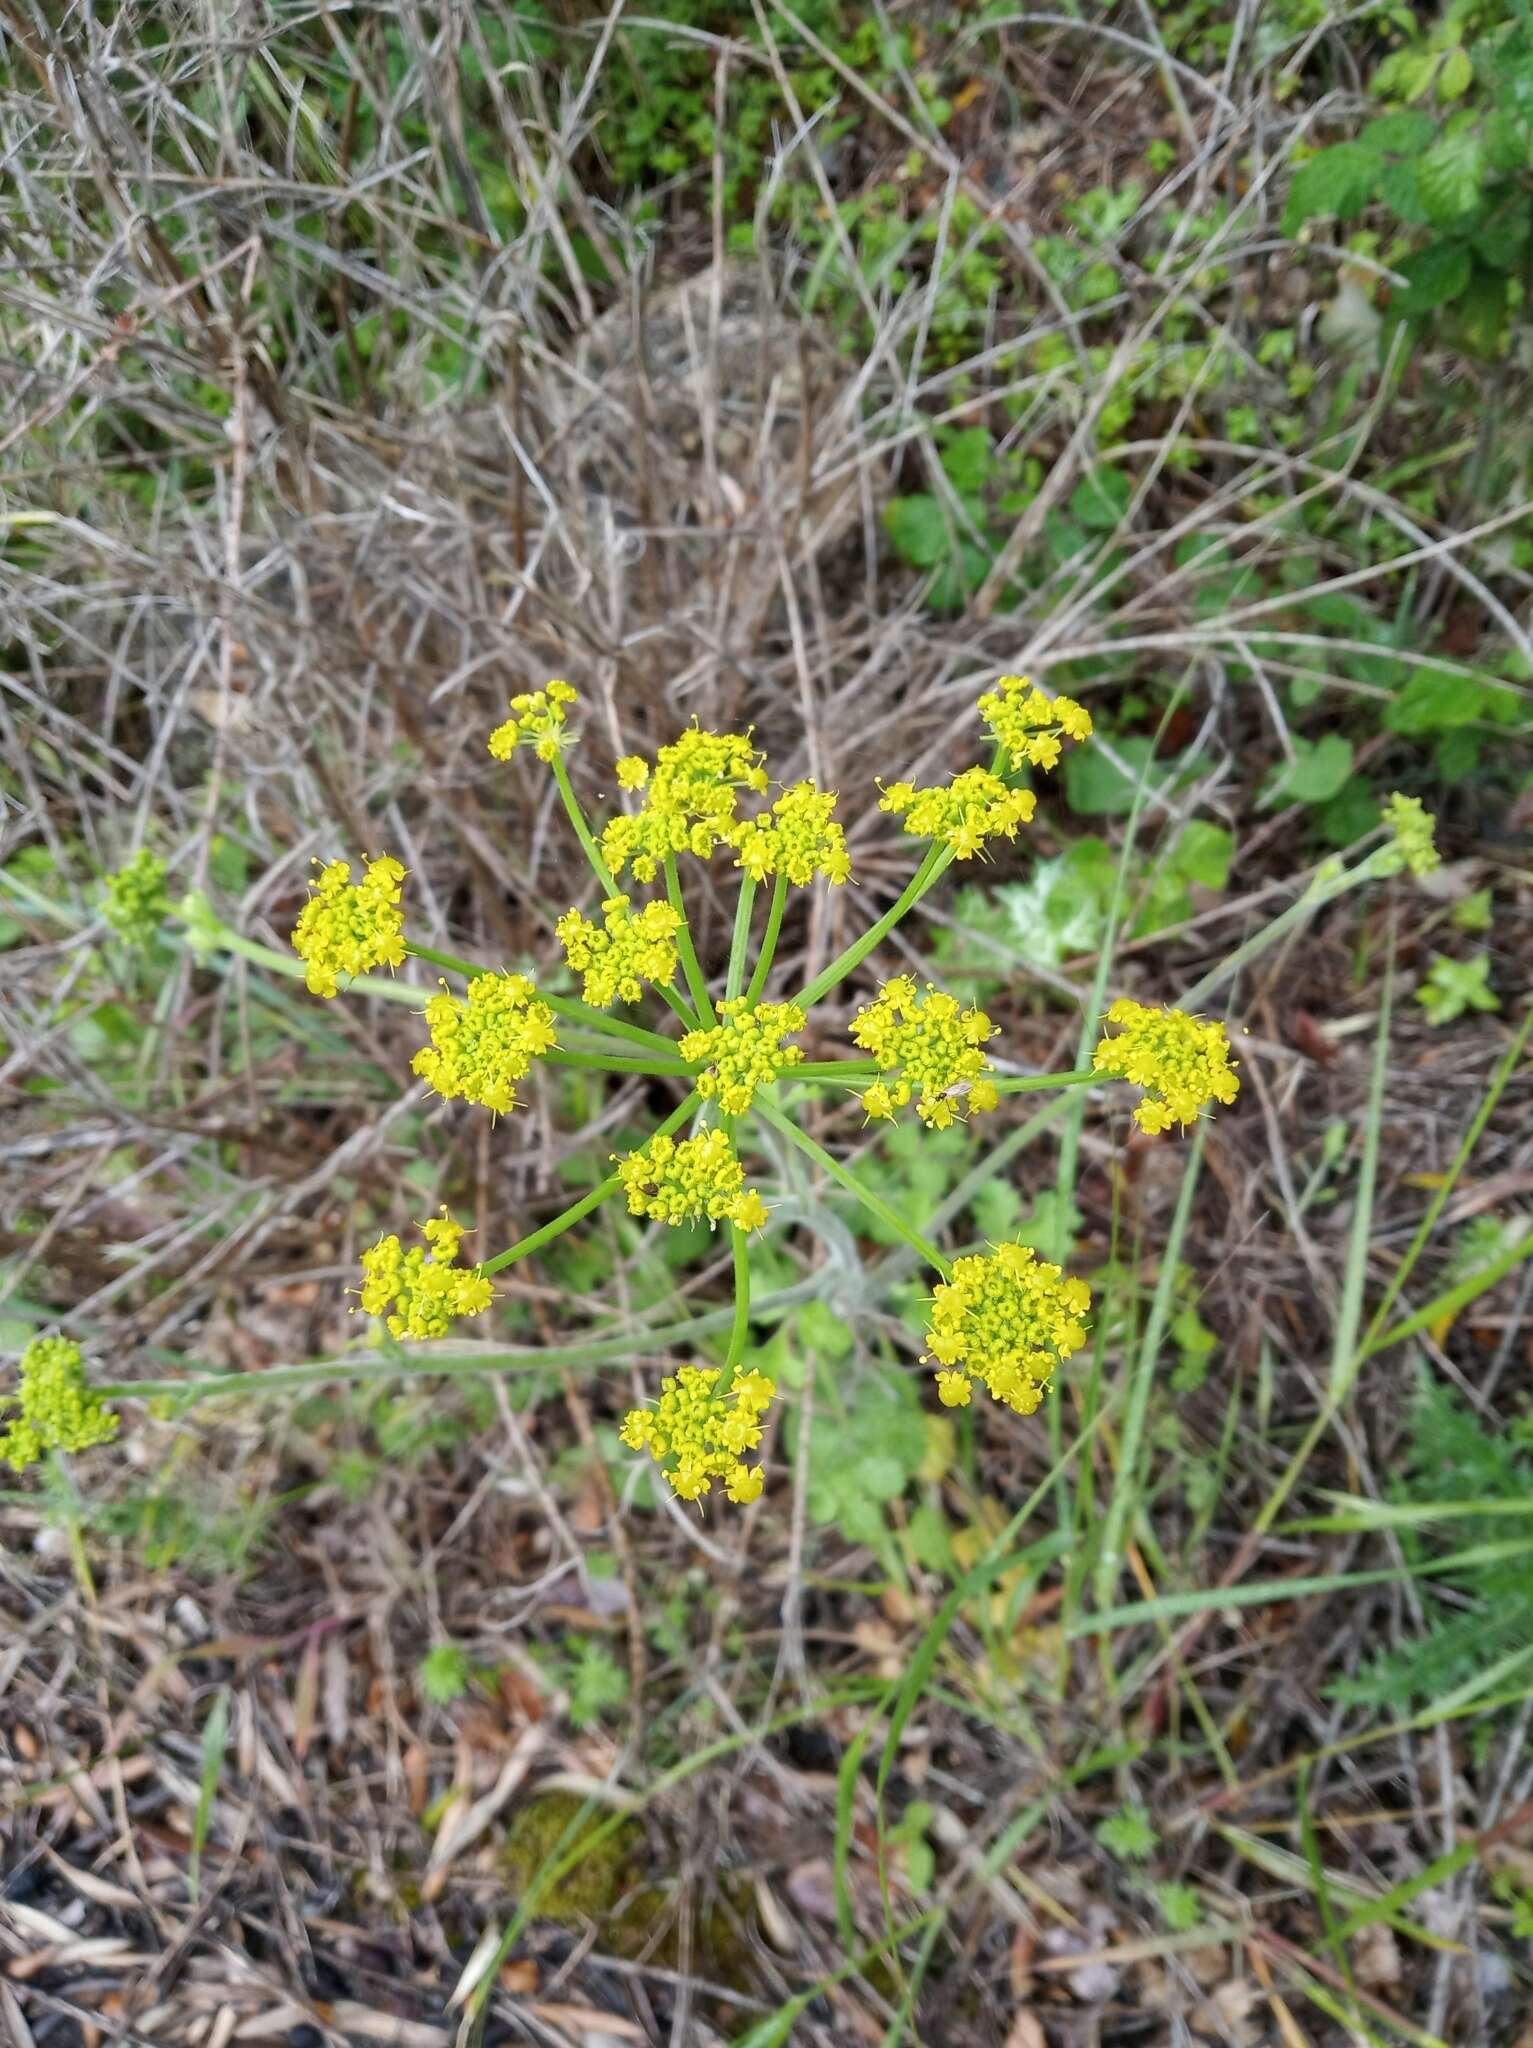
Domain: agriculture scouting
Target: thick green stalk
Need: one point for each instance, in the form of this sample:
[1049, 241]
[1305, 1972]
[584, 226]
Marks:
[1025, 1084]
[739, 943]
[696, 986]
[293, 968]
[833, 1070]
[768, 940]
[616, 1063]
[938, 858]
[739, 1329]
[592, 1199]
[874, 1204]
[576, 816]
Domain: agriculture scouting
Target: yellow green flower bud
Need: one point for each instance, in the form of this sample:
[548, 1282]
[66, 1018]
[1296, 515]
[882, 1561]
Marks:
[1029, 724]
[965, 813]
[695, 1180]
[537, 720]
[931, 1043]
[696, 1432]
[745, 1051]
[421, 1292]
[59, 1411]
[1182, 1062]
[628, 949]
[346, 927]
[1006, 1318]
[481, 1047]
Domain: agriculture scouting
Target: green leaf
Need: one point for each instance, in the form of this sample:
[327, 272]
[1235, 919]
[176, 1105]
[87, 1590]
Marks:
[968, 460]
[1434, 702]
[1404, 75]
[1179, 1906]
[1403, 133]
[1455, 75]
[1449, 176]
[1339, 182]
[1095, 788]
[1204, 852]
[1129, 1834]
[1317, 771]
[1454, 986]
[1434, 275]
[918, 531]
[1101, 498]
[444, 1673]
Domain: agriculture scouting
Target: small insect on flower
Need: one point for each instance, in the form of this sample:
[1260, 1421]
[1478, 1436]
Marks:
[797, 837]
[347, 927]
[136, 901]
[697, 1431]
[1413, 838]
[694, 1181]
[932, 1043]
[1182, 1062]
[689, 802]
[974, 807]
[745, 1051]
[1029, 724]
[421, 1292]
[59, 1411]
[628, 949]
[1006, 1318]
[481, 1048]
[537, 720]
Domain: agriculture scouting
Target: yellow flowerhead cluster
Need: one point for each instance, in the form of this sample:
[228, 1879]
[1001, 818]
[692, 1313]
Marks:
[1413, 837]
[689, 802]
[627, 949]
[422, 1292]
[1006, 1319]
[699, 1178]
[480, 1048]
[744, 1052]
[974, 807]
[797, 837]
[136, 902]
[1029, 724]
[703, 1429]
[59, 1411]
[346, 927]
[536, 721]
[933, 1044]
[1183, 1062]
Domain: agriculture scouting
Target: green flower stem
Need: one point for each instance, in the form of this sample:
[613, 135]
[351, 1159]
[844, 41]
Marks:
[734, 978]
[1024, 1084]
[768, 940]
[874, 1204]
[616, 1063]
[466, 968]
[675, 1003]
[610, 1027]
[833, 1070]
[937, 860]
[592, 1199]
[696, 986]
[290, 965]
[739, 1329]
[1299, 912]
[589, 846]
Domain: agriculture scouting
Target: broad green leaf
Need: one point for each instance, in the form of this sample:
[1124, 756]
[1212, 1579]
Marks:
[1101, 498]
[1338, 182]
[1096, 788]
[1317, 771]
[1455, 75]
[1433, 276]
[1404, 132]
[918, 530]
[1434, 702]
[1450, 175]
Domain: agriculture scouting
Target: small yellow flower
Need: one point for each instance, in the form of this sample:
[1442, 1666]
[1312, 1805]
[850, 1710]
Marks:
[744, 1052]
[1006, 1319]
[632, 772]
[629, 948]
[1413, 840]
[1182, 1062]
[689, 804]
[136, 901]
[481, 1047]
[420, 1292]
[974, 807]
[537, 720]
[697, 1431]
[797, 837]
[1029, 724]
[698, 1179]
[932, 1044]
[59, 1410]
[346, 928]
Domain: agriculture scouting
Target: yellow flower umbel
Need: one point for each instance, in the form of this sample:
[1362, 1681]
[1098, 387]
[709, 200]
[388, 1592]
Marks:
[698, 1431]
[537, 721]
[797, 837]
[745, 1052]
[136, 902]
[1006, 1319]
[59, 1410]
[692, 1181]
[933, 1045]
[480, 1048]
[346, 927]
[628, 948]
[689, 802]
[974, 807]
[1029, 724]
[1183, 1062]
[1413, 837]
[421, 1292]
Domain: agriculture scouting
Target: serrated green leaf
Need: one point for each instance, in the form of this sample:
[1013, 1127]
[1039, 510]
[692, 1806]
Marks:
[1433, 276]
[1338, 182]
[1101, 498]
[1402, 133]
[1450, 175]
